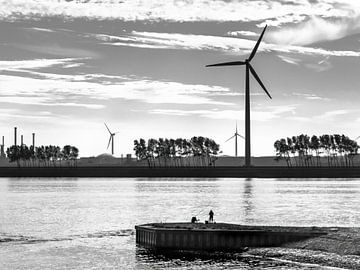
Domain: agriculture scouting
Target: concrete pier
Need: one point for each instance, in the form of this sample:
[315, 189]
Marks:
[222, 236]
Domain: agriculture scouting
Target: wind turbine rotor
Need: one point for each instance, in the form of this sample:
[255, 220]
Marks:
[107, 128]
[111, 137]
[236, 63]
[241, 136]
[257, 45]
[230, 138]
[253, 72]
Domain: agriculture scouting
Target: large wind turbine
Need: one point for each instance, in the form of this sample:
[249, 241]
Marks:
[111, 140]
[236, 135]
[248, 69]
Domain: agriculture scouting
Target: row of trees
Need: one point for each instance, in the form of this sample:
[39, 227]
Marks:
[50, 155]
[197, 151]
[303, 150]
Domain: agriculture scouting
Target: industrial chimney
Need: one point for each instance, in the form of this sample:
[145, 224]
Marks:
[33, 142]
[2, 154]
[15, 135]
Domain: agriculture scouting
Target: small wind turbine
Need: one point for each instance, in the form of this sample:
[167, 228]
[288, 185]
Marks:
[248, 69]
[235, 136]
[111, 140]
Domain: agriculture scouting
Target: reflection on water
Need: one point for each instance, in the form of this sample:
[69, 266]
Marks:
[92, 220]
[42, 184]
[248, 196]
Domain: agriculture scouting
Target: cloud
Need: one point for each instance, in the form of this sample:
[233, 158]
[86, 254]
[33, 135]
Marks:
[330, 115]
[313, 30]
[41, 29]
[241, 33]
[269, 113]
[310, 96]
[24, 83]
[290, 60]
[320, 66]
[22, 65]
[156, 40]
[276, 12]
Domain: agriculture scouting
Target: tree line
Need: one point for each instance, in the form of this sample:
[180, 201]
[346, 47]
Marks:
[197, 151]
[49, 155]
[303, 150]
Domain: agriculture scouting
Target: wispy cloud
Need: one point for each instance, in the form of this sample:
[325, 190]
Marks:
[313, 30]
[22, 65]
[290, 60]
[321, 66]
[41, 29]
[331, 115]
[242, 33]
[157, 40]
[266, 114]
[276, 12]
[26, 84]
[310, 96]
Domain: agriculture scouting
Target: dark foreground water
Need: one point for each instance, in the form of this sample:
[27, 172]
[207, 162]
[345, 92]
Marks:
[65, 223]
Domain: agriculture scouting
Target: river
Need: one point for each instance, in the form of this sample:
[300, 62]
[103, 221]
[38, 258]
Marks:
[85, 223]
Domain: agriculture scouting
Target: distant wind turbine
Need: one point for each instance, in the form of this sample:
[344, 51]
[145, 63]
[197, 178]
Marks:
[248, 69]
[235, 136]
[111, 140]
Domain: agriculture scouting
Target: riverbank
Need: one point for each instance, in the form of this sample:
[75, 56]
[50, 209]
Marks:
[337, 247]
[340, 247]
[320, 246]
[193, 172]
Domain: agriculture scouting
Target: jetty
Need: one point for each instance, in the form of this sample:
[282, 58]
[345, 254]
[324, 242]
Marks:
[218, 236]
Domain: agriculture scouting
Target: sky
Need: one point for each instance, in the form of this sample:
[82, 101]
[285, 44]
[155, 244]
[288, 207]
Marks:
[67, 67]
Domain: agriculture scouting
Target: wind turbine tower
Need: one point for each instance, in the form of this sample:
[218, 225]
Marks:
[236, 135]
[248, 69]
[111, 140]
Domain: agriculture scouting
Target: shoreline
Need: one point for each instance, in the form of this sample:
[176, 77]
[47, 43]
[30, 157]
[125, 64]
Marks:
[184, 172]
[339, 248]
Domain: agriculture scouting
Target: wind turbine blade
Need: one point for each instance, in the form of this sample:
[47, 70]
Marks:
[236, 63]
[357, 138]
[107, 128]
[236, 131]
[257, 45]
[241, 136]
[230, 138]
[258, 80]
[109, 142]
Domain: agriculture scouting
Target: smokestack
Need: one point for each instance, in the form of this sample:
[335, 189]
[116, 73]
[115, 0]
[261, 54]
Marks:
[15, 135]
[33, 135]
[2, 154]
[22, 140]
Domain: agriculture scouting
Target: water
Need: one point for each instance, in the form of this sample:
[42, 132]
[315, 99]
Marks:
[82, 223]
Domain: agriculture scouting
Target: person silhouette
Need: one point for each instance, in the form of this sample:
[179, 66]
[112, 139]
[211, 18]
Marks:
[211, 216]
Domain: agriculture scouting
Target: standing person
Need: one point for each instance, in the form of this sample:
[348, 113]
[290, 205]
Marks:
[211, 216]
